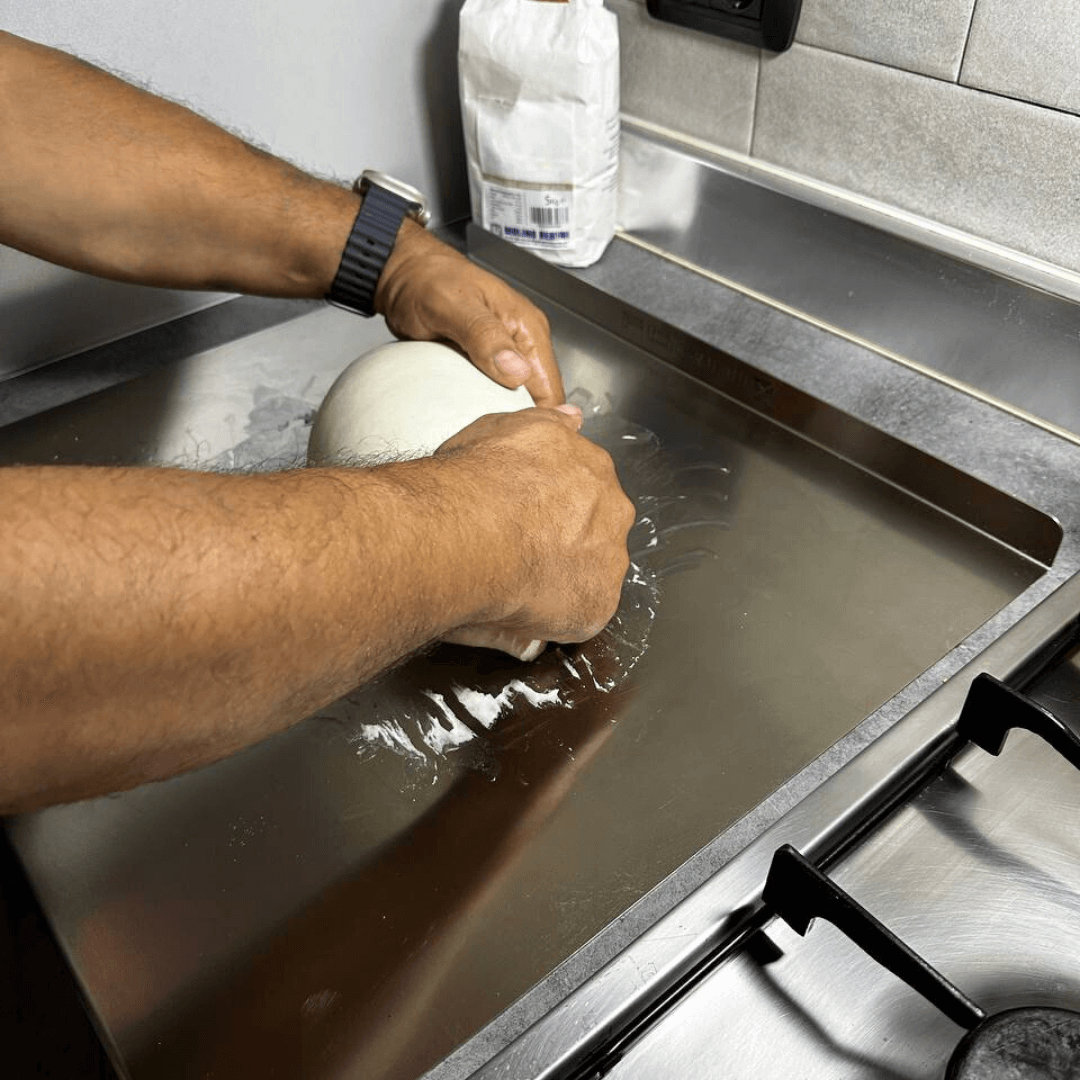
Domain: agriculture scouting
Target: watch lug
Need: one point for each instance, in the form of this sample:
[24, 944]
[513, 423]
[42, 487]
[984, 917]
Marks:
[418, 204]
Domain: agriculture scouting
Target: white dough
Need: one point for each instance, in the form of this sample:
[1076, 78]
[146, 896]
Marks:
[404, 400]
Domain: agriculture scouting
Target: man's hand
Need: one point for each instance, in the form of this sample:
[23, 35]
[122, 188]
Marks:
[430, 292]
[558, 575]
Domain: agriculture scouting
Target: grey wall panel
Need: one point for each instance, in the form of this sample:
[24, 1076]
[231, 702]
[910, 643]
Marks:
[907, 34]
[1027, 51]
[694, 83]
[47, 312]
[985, 164]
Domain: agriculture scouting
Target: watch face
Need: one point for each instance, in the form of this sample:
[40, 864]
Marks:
[416, 200]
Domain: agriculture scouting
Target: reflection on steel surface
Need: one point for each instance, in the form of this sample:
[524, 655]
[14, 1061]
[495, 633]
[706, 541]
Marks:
[439, 703]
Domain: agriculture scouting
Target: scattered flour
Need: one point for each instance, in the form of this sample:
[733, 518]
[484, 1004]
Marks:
[389, 734]
[447, 731]
[487, 708]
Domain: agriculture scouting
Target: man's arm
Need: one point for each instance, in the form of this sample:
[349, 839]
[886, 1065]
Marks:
[156, 620]
[106, 178]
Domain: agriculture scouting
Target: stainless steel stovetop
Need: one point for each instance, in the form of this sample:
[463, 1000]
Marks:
[829, 547]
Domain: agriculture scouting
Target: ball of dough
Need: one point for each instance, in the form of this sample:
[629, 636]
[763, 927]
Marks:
[404, 400]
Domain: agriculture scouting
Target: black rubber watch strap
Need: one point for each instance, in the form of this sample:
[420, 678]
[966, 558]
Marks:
[367, 249]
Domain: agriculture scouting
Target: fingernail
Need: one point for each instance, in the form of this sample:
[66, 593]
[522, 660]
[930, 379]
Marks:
[570, 410]
[532, 650]
[513, 366]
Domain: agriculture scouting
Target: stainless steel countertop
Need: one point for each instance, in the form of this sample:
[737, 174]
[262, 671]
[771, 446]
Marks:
[760, 356]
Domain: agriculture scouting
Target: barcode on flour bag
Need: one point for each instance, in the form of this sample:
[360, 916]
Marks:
[549, 216]
[542, 123]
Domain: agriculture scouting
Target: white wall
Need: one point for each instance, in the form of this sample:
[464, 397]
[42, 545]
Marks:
[334, 85]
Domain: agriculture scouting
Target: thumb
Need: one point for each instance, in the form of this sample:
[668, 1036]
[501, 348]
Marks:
[492, 348]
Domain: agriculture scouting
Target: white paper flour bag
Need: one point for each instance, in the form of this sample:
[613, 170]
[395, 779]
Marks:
[540, 104]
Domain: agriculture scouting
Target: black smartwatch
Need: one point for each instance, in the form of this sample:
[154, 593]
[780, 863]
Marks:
[387, 202]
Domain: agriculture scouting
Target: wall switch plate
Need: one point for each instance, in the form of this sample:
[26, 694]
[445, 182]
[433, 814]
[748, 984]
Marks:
[769, 24]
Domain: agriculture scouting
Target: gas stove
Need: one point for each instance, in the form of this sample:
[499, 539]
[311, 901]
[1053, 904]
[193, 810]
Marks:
[959, 912]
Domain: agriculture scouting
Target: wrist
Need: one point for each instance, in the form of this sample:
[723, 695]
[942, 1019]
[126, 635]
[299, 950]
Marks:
[386, 204]
[298, 257]
[320, 234]
[484, 522]
[442, 542]
[478, 535]
[412, 244]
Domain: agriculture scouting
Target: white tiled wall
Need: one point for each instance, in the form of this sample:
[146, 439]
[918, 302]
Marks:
[671, 77]
[899, 33]
[1028, 50]
[962, 112]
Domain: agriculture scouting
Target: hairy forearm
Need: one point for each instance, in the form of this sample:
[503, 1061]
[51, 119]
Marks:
[156, 620]
[103, 177]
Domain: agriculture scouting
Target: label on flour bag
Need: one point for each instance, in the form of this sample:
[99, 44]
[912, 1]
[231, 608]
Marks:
[536, 219]
[540, 105]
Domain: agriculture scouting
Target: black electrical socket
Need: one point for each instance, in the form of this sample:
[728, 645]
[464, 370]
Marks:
[769, 24]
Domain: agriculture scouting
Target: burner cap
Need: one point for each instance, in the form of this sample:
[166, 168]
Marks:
[1020, 1044]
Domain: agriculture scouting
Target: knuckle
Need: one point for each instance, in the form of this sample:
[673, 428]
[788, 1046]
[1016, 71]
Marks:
[528, 315]
[485, 326]
[598, 626]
